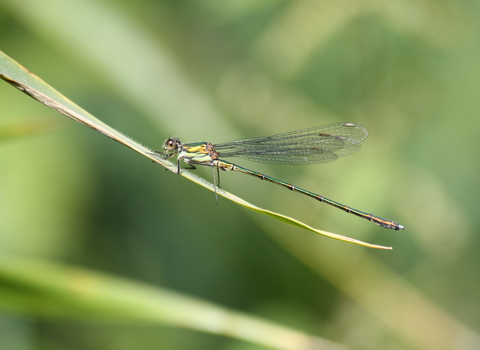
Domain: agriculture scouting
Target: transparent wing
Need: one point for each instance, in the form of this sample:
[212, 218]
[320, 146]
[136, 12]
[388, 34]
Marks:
[321, 144]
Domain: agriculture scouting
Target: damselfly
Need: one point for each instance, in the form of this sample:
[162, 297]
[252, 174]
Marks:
[321, 144]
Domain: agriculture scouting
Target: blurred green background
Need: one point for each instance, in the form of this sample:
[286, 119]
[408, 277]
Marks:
[408, 71]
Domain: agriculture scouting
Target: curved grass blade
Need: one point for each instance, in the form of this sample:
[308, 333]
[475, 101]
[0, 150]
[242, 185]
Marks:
[19, 77]
[39, 288]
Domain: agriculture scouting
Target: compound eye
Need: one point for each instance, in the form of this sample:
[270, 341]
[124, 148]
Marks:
[170, 145]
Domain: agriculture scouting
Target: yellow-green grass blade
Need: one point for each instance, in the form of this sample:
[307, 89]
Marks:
[25, 81]
[40, 288]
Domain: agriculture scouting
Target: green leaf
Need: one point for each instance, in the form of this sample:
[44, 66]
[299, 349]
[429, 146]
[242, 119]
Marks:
[39, 288]
[19, 77]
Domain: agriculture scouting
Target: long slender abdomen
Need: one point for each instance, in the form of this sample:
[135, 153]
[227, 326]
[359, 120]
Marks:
[373, 218]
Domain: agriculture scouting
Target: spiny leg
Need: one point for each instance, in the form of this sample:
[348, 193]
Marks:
[216, 181]
[179, 167]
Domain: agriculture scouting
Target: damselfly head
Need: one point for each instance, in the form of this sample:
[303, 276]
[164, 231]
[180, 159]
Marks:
[172, 145]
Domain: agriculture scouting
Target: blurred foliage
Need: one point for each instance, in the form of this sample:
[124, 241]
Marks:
[214, 71]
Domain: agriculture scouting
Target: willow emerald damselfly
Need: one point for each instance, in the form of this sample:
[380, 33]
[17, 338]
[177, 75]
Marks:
[320, 144]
